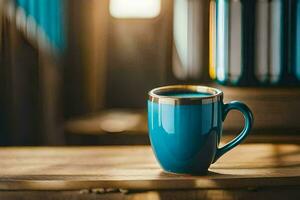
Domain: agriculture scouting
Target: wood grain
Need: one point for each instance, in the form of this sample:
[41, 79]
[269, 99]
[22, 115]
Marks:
[134, 167]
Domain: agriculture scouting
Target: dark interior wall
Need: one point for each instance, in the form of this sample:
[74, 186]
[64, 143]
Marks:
[114, 62]
[30, 79]
[85, 66]
[138, 57]
[4, 136]
[19, 89]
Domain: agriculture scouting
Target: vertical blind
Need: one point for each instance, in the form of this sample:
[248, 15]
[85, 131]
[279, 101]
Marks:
[255, 42]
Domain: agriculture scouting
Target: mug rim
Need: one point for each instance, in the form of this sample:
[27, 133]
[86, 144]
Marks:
[216, 95]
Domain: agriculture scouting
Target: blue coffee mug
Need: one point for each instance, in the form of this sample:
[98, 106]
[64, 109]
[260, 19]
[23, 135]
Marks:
[185, 126]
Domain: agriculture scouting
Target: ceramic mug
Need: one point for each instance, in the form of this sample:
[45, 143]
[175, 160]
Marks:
[185, 126]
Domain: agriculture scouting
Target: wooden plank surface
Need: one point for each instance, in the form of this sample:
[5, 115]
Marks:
[134, 167]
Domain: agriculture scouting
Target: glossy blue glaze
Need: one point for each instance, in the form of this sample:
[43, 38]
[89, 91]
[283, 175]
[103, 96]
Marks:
[185, 138]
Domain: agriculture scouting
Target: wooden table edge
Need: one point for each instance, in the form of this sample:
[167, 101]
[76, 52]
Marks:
[196, 183]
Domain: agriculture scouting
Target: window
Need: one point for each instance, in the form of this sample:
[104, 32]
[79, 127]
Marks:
[135, 8]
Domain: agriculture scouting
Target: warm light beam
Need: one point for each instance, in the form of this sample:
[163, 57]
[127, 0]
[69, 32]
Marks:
[135, 8]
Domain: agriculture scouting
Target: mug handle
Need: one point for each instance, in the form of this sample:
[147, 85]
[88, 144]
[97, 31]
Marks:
[248, 116]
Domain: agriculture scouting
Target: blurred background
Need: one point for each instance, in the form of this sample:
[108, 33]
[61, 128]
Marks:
[77, 72]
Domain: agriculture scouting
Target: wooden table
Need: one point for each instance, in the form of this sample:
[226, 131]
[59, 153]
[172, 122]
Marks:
[131, 172]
